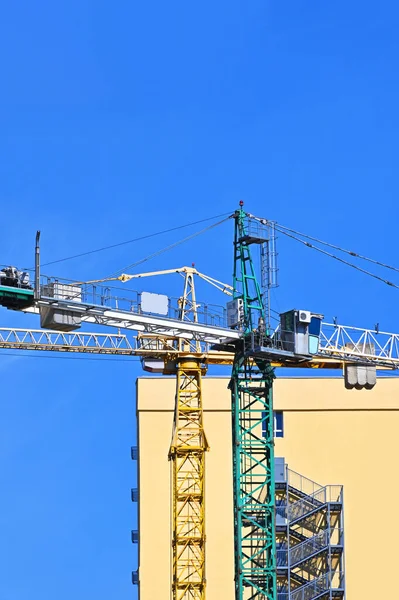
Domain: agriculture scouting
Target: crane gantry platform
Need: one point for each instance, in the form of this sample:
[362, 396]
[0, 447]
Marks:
[183, 340]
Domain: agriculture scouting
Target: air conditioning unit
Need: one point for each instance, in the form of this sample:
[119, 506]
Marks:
[304, 316]
[235, 313]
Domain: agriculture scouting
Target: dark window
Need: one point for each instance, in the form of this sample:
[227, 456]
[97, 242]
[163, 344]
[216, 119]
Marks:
[278, 424]
[315, 326]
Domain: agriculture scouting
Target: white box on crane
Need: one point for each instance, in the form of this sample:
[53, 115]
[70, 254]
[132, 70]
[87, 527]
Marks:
[62, 291]
[154, 303]
[235, 313]
[57, 317]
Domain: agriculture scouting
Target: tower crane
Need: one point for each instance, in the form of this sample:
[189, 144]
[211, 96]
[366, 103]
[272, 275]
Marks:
[183, 340]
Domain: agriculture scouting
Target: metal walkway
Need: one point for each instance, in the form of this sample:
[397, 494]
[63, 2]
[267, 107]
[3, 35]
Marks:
[309, 537]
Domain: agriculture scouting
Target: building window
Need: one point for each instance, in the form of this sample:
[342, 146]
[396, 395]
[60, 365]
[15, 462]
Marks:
[278, 423]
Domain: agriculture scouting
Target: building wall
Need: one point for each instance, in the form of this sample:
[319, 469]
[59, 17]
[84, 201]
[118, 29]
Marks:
[331, 435]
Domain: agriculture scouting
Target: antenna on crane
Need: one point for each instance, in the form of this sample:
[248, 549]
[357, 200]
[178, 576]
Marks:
[37, 266]
[263, 233]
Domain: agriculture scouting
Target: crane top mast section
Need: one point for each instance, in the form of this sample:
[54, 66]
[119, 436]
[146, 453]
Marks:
[247, 292]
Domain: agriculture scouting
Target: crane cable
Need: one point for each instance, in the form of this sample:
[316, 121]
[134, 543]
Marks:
[162, 250]
[138, 239]
[350, 252]
[342, 260]
[170, 247]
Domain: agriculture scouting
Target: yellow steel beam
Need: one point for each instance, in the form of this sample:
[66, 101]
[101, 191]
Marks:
[226, 358]
[169, 348]
[187, 453]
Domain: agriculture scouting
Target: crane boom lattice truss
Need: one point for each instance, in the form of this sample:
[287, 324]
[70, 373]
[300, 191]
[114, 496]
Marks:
[59, 341]
[339, 345]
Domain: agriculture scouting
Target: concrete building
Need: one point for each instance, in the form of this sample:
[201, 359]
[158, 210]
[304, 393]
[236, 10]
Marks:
[329, 434]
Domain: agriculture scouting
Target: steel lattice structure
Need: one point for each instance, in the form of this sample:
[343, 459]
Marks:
[253, 443]
[41, 339]
[187, 453]
[253, 468]
[354, 344]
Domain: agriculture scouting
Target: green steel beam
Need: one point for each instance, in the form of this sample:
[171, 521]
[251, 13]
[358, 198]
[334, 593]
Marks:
[253, 441]
[245, 283]
[14, 297]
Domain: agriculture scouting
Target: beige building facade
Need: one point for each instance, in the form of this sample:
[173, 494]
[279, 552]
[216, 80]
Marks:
[330, 434]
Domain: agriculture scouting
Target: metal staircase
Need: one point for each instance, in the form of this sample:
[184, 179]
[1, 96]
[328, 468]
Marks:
[309, 537]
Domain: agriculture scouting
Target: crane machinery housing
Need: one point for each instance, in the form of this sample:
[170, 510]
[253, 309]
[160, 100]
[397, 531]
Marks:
[183, 338]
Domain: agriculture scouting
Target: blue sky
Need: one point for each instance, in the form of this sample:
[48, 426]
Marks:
[122, 120]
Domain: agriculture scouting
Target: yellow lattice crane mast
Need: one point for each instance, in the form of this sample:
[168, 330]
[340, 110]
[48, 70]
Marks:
[189, 443]
[187, 453]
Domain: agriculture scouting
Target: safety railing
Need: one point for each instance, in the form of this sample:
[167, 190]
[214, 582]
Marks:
[303, 507]
[323, 496]
[359, 344]
[302, 551]
[130, 301]
[350, 344]
[312, 589]
[261, 231]
[326, 494]
[301, 483]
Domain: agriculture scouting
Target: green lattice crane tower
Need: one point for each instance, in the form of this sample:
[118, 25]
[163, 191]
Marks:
[253, 442]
